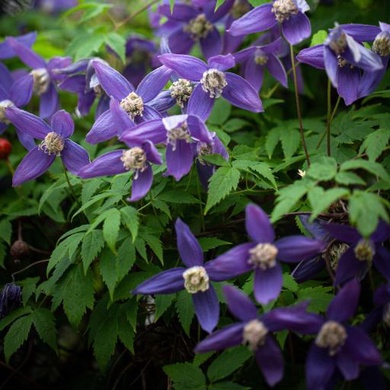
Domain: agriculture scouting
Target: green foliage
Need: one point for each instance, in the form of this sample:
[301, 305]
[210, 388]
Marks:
[186, 376]
[185, 310]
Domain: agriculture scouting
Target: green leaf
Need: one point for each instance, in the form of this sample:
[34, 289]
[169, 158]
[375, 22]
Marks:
[208, 243]
[323, 169]
[235, 124]
[111, 227]
[17, 335]
[321, 200]
[227, 362]
[178, 196]
[375, 143]
[370, 166]
[125, 331]
[89, 188]
[185, 310]
[318, 38]
[3, 253]
[5, 231]
[93, 243]
[108, 271]
[272, 140]
[13, 315]
[28, 288]
[163, 301]
[222, 183]
[186, 376]
[290, 139]
[84, 45]
[227, 386]
[319, 297]
[349, 178]
[289, 283]
[130, 219]
[44, 324]
[155, 245]
[220, 113]
[117, 43]
[215, 159]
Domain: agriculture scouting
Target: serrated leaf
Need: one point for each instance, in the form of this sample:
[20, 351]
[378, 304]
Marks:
[13, 315]
[5, 231]
[289, 283]
[370, 166]
[235, 124]
[221, 184]
[202, 357]
[290, 139]
[111, 227]
[28, 288]
[272, 140]
[321, 200]
[178, 196]
[323, 169]
[349, 178]
[125, 331]
[220, 113]
[130, 219]
[155, 245]
[186, 376]
[264, 170]
[375, 143]
[216, 159]
[84, 45]
[108, 271]
[227, 362]
[92, 244]
[117, 43]
[208, 243]
[44, 324]
[125, 258]
[89, 188]
[319, 298]
[17, 335]
[185, 310]
[162, 303]
[318, 38]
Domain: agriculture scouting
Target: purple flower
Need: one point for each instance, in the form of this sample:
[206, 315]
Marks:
[55, 142]
[54, 6]
[42, 77]
[6, 50]
[262, 253]
[290, 14]
[10, 298]
[135, 159]
[338, 345]
[255, 331]
[195, 278]
[362, 252]
[213, 82]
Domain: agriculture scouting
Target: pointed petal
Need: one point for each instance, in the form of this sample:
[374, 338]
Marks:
[296, 248]
[258, 225]
[350, 267]
[191, 68]
[268, 284]
[313, 56]
[22, 90]
[343, 233]
[153, 83]
[30, 58]
[6, 51]
[141, 185]
[347, 364]
[106, 165]
[206, 309]
[319, 367]
[149, 114]
[381, 261]
[113, 83]
[307, 269]
[152, 153]
[179, 161]
[296, 28]
[34, 164]
[28, 123]
[227, 337]
[276, 68]
[344, 304]
[331, 65]
[348, 81]
[181, 12]
[254, 74]
[241, 94]
[212, 44]
[180, 42]
[166, 282]
[270, 360]
[188, 246]
[198, 129]
[25, 139]
[153, 131]
[200, 103]
[119, 117]
[103, 129]
[49, 103]
[74, 156]
[239, 304]
[222, 62]
[62, 123]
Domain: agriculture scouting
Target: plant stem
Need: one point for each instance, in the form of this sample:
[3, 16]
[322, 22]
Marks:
[294, 70]
[329, 121]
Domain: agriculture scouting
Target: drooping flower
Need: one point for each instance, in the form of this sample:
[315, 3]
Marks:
[55, 142]
[195, 278]
[263, 253]
[10, 298]
[289, 14]
[256, 331]
[337, 344]
[362, 252]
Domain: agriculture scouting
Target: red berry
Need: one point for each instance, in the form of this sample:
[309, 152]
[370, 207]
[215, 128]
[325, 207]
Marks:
[5, 148]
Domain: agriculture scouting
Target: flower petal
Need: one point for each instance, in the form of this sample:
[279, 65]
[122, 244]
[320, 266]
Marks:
[179, 161]
[347, 364]
[239, 304]
[200, 103]
[296, 28]
[268, 284]
[106, 165]
[103, 129]
[212, 44]
[62, 123]
[258, 225]
[166, 282]
[296, 248]
[319, 368]
[74, 156]
[350, 267]
[153, 83]
[49, 103]
[381, 261]
[348, 80]
[222, 62]
[343, 233]
[30, 58]
[153, 131]
[191, 68]
[206, 309]
[313, 56]
[141, 185]
[22, 90]
[254, 74]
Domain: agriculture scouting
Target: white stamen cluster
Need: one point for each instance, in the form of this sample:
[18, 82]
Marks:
[134, 159]
[364, 250]
[3, 105]
[204, 150]
[213, 81]
[254, 334]
[263, 256]
[41, 80]
[133, 105]
[332, 335]
[381, 44]
[283, 9]
[178, 133]
[261, 58]
[196, 279]
[198, 27]
[52, 144]
[181, 91]
[338, 44]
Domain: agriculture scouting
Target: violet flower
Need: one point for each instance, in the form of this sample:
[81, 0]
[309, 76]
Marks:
[10, 298]
[362, 252]
[6, 50]
[195, 278]
[262, 253]
[255, 331]
[213, 82]
[289, 14]
[55, 142]
[338, 345]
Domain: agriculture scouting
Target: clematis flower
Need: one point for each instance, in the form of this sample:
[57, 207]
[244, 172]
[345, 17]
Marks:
[289, 14]
[212, 82]
[256, 331]
[6, 50]
[195, 278]
[10, 298]
[338, 345]
[42, 77]
[55, 142]
[263, 253]
[362, 252]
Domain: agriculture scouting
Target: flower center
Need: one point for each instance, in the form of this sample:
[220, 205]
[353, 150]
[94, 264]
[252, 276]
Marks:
[133, 105]
[52, 144]
[332, 335]
[204, 150]
[254, 334]
[198, 27]
[283, 9]
[213, 81]
[181, 91]
[337, 42]
[260, 58]
[196, 279]
[178, 133]
[335, 253]
[41, 80]
[3, 105]
[134, 159]
[381, 44]
[263, 256]
[364, 250]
